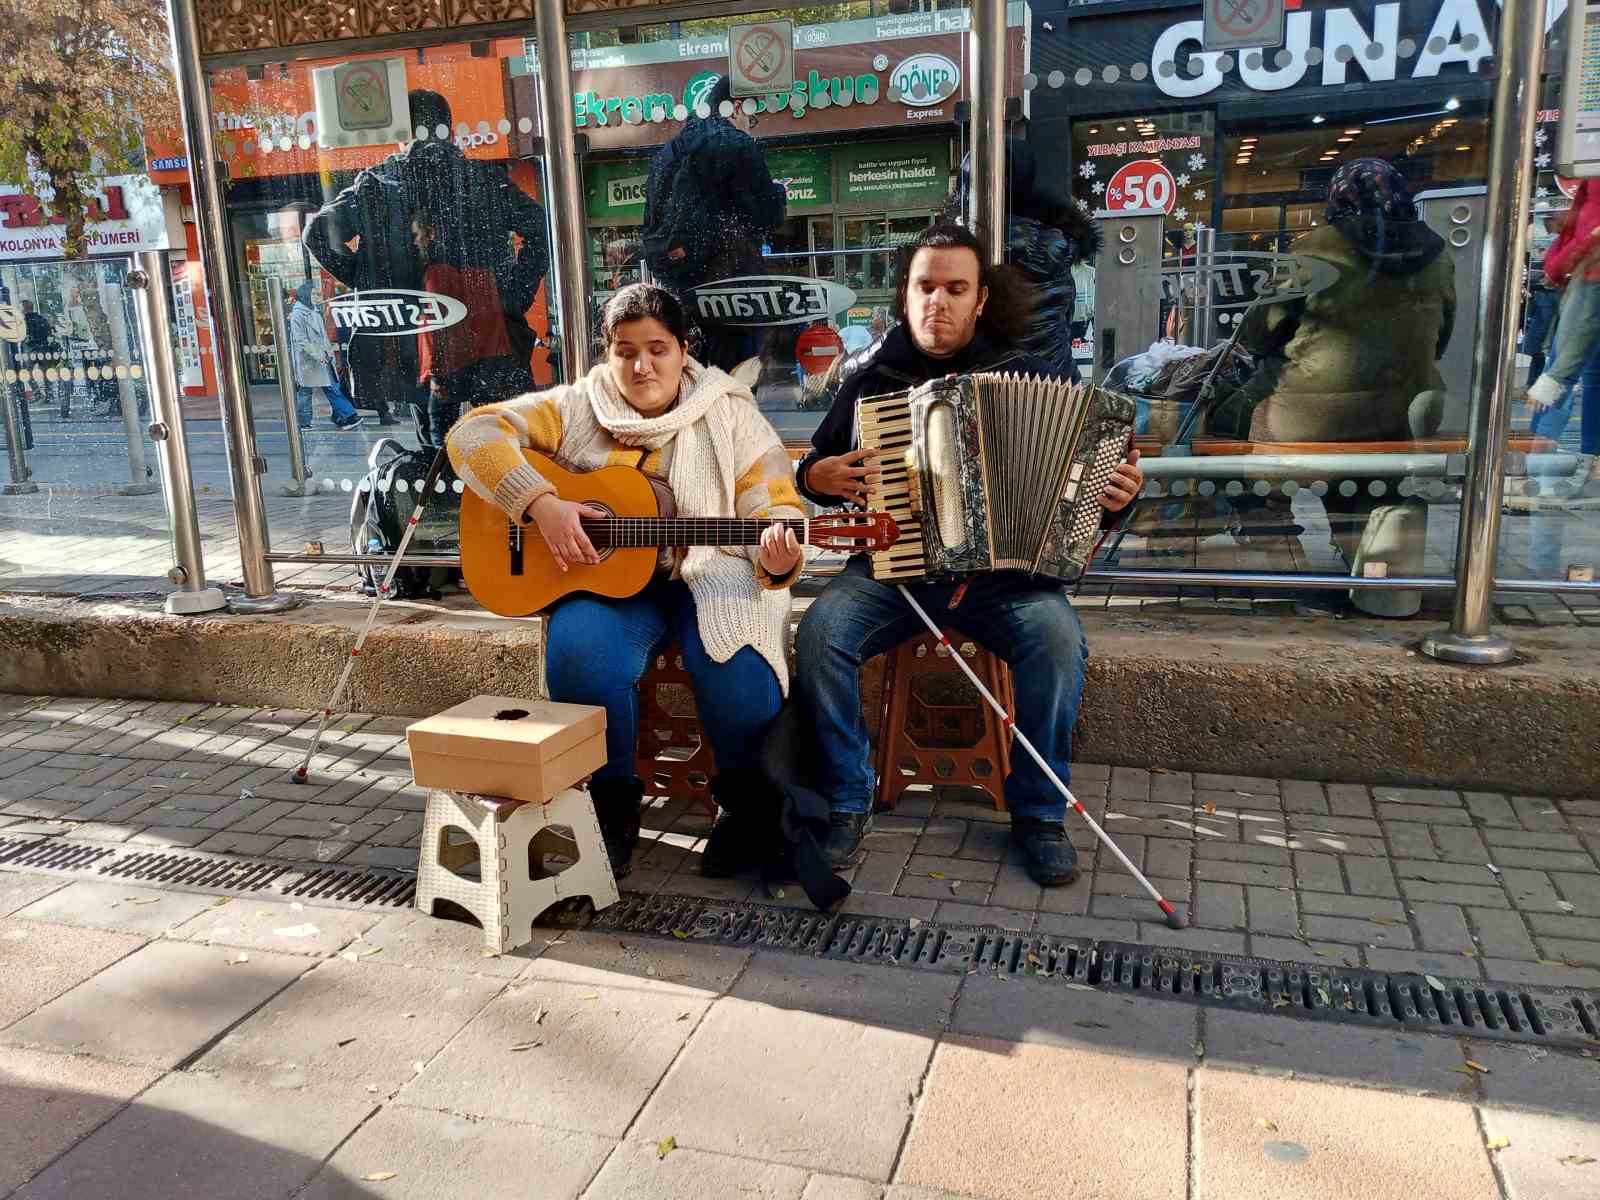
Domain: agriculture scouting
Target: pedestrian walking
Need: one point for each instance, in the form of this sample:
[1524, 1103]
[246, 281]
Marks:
[311, 356]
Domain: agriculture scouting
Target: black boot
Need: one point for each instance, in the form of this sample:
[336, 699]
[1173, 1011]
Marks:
[1047, 855]
[745, 834]
[616, 807]
[843, 844]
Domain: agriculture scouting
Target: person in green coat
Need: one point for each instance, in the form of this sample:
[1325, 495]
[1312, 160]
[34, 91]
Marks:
[1347, 363]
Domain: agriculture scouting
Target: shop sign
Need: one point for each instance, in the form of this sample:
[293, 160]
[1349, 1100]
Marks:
[761, 58]
[1328, 45]
[1145, 184]
[395, 312]
[760, 301]
[895, 175]
[125, 216]
[924, 79]
[806, 175]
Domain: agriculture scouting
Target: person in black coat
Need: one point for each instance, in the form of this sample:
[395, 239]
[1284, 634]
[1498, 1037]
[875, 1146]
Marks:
[954, 316]
[710, 204]
[379, 209]
[1046, 236]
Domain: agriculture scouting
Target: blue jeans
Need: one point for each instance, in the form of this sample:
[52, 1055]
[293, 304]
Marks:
[1028, 624]
[343, 410]
[1552, 422]
[1577, 330]
[598, 648]
[1543, 303]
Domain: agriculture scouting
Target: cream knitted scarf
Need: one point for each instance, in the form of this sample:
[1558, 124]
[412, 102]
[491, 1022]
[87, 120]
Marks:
[702, 474]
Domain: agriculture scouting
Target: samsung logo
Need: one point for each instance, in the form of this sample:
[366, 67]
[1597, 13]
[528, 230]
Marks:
[761, 300]
[924, 79]
[395, 312]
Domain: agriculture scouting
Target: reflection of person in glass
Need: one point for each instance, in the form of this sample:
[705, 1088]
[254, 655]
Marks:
[1356, 361]
[1573, 264]
[43, 351]
[1046, 237]
[364, 239]
[650, 405]
[311, 362]
[710, 204]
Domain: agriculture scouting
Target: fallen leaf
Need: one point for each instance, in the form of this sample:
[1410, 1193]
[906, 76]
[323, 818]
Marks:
[1033, 958]
[297, 931]
[1325, 953]
[1386, 921]
[1269, 1126]
[220, 901]
[590, 996]
[1434, 983]
[666, 1146]
[935, 874]
[234, 962]
[1470, 953]
[680, 935]
[525, 1046]
[683, 1016]
[1280, 1002]
[1551, 962]
[144, 899]
[1462, 1070]
[1574, 1160]
[377, 1176]
[1478, 1066]
[1499, 1143]
[1327, 1000]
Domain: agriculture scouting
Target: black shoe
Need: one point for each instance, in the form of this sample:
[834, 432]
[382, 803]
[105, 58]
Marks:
[745, 835]
[616, 807]
[843, 844]
[1047, 855]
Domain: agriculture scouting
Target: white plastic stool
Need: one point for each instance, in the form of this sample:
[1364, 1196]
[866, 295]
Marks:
[513, 886]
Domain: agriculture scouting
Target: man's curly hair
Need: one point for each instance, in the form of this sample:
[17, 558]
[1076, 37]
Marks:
[1010, 306]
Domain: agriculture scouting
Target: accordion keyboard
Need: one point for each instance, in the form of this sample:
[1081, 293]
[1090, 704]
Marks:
[886, 423]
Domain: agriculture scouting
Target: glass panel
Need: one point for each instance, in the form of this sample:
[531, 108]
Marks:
[1300, 366]
[1551, 523]
[81, 509]
[391, 248]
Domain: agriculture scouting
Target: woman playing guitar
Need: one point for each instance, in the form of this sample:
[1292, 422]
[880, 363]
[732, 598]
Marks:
[649, 405]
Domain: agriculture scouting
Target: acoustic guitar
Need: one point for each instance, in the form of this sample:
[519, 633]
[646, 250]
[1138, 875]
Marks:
[509, 570]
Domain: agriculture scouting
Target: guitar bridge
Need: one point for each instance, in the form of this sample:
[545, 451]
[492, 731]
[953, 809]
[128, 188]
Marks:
[514, 541]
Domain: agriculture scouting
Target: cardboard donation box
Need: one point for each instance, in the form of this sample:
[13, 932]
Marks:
[500, 746]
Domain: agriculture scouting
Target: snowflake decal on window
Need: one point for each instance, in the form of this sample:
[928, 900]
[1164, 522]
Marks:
[1180, 214]
[1199, 195]
[1183, 180]
[1540, 137]
[1098, 187]
[1540, 193]
[1197, 162]
[1542, 161]
[1084, 204]
[1087, 170]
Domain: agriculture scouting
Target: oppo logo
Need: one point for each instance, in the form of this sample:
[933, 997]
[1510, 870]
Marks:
[395, 312]
[763, 300]
[925, 79]
[467, 141]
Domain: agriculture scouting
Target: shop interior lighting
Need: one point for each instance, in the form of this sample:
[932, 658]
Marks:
[1122, 129]
[1346, 139]
[1318, 119]
[1463, 147]
[1452, 104]
[1353, 132]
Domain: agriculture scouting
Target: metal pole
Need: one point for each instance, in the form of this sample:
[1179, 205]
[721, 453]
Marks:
[564, 184]
[291, 419]
[1519, 50]
[986, 58]
[138, 473]
[151, 283]
[238, 422]
[21, 481]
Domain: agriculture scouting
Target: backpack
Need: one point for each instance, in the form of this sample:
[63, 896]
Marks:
[381, 507]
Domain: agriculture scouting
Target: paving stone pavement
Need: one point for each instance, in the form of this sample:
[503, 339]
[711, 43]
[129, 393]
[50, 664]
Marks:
[1499, 887]
[261, 1048]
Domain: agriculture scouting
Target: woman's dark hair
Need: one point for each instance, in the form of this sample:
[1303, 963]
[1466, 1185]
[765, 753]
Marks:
[429, 110]
[720, 91]
[638, 301]
[1010, 305]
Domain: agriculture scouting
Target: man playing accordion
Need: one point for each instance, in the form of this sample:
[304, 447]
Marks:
[955, 316]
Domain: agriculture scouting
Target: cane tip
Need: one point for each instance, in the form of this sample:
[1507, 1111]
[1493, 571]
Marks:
[1176, 919]
[298, 775]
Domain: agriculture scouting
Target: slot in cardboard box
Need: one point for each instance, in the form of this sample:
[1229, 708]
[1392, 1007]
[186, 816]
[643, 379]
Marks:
[502, 746]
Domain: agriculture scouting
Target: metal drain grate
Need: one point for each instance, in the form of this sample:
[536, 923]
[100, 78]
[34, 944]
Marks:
[1347, 996]
[202, 871]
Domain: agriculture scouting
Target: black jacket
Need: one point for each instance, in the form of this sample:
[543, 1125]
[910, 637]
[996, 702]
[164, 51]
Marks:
[894, 364]
[710, 193]
[1046, 254]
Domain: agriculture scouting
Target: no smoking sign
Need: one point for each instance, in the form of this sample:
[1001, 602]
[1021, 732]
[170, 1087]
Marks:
[1242, 24]
[761, 58]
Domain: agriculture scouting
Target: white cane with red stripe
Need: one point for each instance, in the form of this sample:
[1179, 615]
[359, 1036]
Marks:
[382, 594]
[1173, 916]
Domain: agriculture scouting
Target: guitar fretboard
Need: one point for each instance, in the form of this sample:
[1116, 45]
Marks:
[605, 532]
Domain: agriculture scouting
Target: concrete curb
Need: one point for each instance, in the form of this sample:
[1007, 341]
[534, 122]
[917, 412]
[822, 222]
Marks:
[1237, 695]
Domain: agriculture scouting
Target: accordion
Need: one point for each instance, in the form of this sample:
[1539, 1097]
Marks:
[993, 472]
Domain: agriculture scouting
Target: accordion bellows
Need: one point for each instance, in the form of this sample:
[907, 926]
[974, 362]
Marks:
[993, 472]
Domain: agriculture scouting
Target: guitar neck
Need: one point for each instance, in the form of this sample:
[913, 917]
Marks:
[681, 531]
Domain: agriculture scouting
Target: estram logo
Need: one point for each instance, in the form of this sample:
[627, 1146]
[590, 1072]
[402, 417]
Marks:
[924, 79]
[760, 300]
[395, 312]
